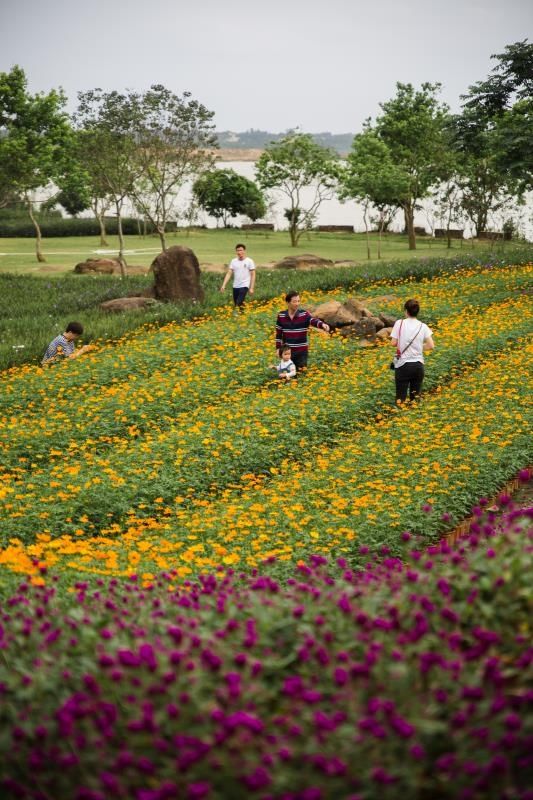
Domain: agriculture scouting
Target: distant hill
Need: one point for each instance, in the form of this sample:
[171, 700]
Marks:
[257, 140]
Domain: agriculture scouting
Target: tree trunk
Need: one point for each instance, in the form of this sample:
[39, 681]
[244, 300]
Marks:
[38, 239]
[121, 259]
[366, 232]
[381, 223]
[481, 221]
[294, 234]
[409, 215]
[103, 232]
[162, 238]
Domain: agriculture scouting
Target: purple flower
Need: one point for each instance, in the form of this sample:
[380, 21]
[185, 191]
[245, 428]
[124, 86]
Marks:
[258, 779]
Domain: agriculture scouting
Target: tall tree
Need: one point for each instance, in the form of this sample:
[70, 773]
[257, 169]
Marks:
[175, 138]
[371, 176]
[413, 125]
[494, 134]
[484, 187]
[35, 142]
[108, 121]
[293, 164]
[225, 194]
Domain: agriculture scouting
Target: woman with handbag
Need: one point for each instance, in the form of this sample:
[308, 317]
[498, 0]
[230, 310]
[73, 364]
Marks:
[410, 338]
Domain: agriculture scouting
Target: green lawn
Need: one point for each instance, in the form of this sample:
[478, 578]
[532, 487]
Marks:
[215, 246]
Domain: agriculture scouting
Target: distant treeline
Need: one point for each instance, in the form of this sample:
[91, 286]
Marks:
[257, 140]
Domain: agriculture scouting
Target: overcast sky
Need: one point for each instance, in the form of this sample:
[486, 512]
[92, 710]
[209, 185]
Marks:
[315, 64]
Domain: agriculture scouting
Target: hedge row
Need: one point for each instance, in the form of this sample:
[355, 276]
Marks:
[71, 227]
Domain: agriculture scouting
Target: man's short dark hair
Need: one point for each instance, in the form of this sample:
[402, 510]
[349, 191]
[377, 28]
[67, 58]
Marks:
[74, 327]
[290, 295]
[240, 245]
[412, 307]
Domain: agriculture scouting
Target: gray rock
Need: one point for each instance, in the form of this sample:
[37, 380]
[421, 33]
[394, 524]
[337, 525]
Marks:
[305, 261]
[97, 266]
[177, 275]
[127, 304]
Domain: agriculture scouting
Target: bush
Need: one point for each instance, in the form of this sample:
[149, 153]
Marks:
[75, 226]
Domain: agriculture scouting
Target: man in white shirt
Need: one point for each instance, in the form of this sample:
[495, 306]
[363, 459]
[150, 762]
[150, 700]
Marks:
[243, 270]
[410, 338]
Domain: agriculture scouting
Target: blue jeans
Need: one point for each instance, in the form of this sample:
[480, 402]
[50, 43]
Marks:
[239, 295]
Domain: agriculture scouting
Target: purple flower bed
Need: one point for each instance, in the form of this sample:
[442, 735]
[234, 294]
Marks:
[405, 679]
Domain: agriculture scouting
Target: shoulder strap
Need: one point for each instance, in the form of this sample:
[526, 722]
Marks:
[412, 340]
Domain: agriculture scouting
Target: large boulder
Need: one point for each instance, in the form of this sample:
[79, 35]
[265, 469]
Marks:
[305, 261]
[363, 328]
[384, 334]
[387, 319]
[357, 308]
[177, 275]
[97, 266]
[127, 304]
[334, 313]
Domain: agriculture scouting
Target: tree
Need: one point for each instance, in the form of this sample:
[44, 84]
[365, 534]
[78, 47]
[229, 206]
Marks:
[175, 138]
[225, 194]
[512, 141]
[495, 131]
[35, 142]
[108, 121]
[295, 163]
[413, 126]
[484, 188]
[75, 195]
[370, 176]
[96, 186]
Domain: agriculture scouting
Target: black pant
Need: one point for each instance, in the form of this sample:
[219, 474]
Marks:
[299, 359]
[409, 377]
[239, 295]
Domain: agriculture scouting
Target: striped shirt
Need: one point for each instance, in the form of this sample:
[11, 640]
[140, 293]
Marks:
[294, 332]
[58, 348]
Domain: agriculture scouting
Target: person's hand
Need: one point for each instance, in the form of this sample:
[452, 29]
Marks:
[222, 288]
[251, 290]
[85, 348]
[325, 327]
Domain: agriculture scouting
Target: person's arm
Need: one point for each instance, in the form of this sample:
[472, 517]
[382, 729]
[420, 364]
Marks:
[80, 351]
[252, 279]
[429, 344]
[279, 335]
[319, 324]
[227, 276]
[292, 371]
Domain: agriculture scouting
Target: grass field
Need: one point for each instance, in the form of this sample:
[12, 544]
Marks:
[217, 247]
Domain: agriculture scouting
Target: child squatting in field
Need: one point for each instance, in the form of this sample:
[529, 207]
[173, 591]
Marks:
[63, 346]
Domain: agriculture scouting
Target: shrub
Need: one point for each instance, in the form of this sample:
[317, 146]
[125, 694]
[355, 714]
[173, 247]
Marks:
[76, 226]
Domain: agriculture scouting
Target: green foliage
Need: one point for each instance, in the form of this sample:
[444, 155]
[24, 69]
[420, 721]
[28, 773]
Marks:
[52, 225]
[413, 126]
[36, 141]
[494, 134]
[175, 139]
[292, 164]
[225, 194]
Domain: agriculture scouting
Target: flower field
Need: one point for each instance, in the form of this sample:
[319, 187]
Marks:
[406, 678]
[217, 586]
[175, 448]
